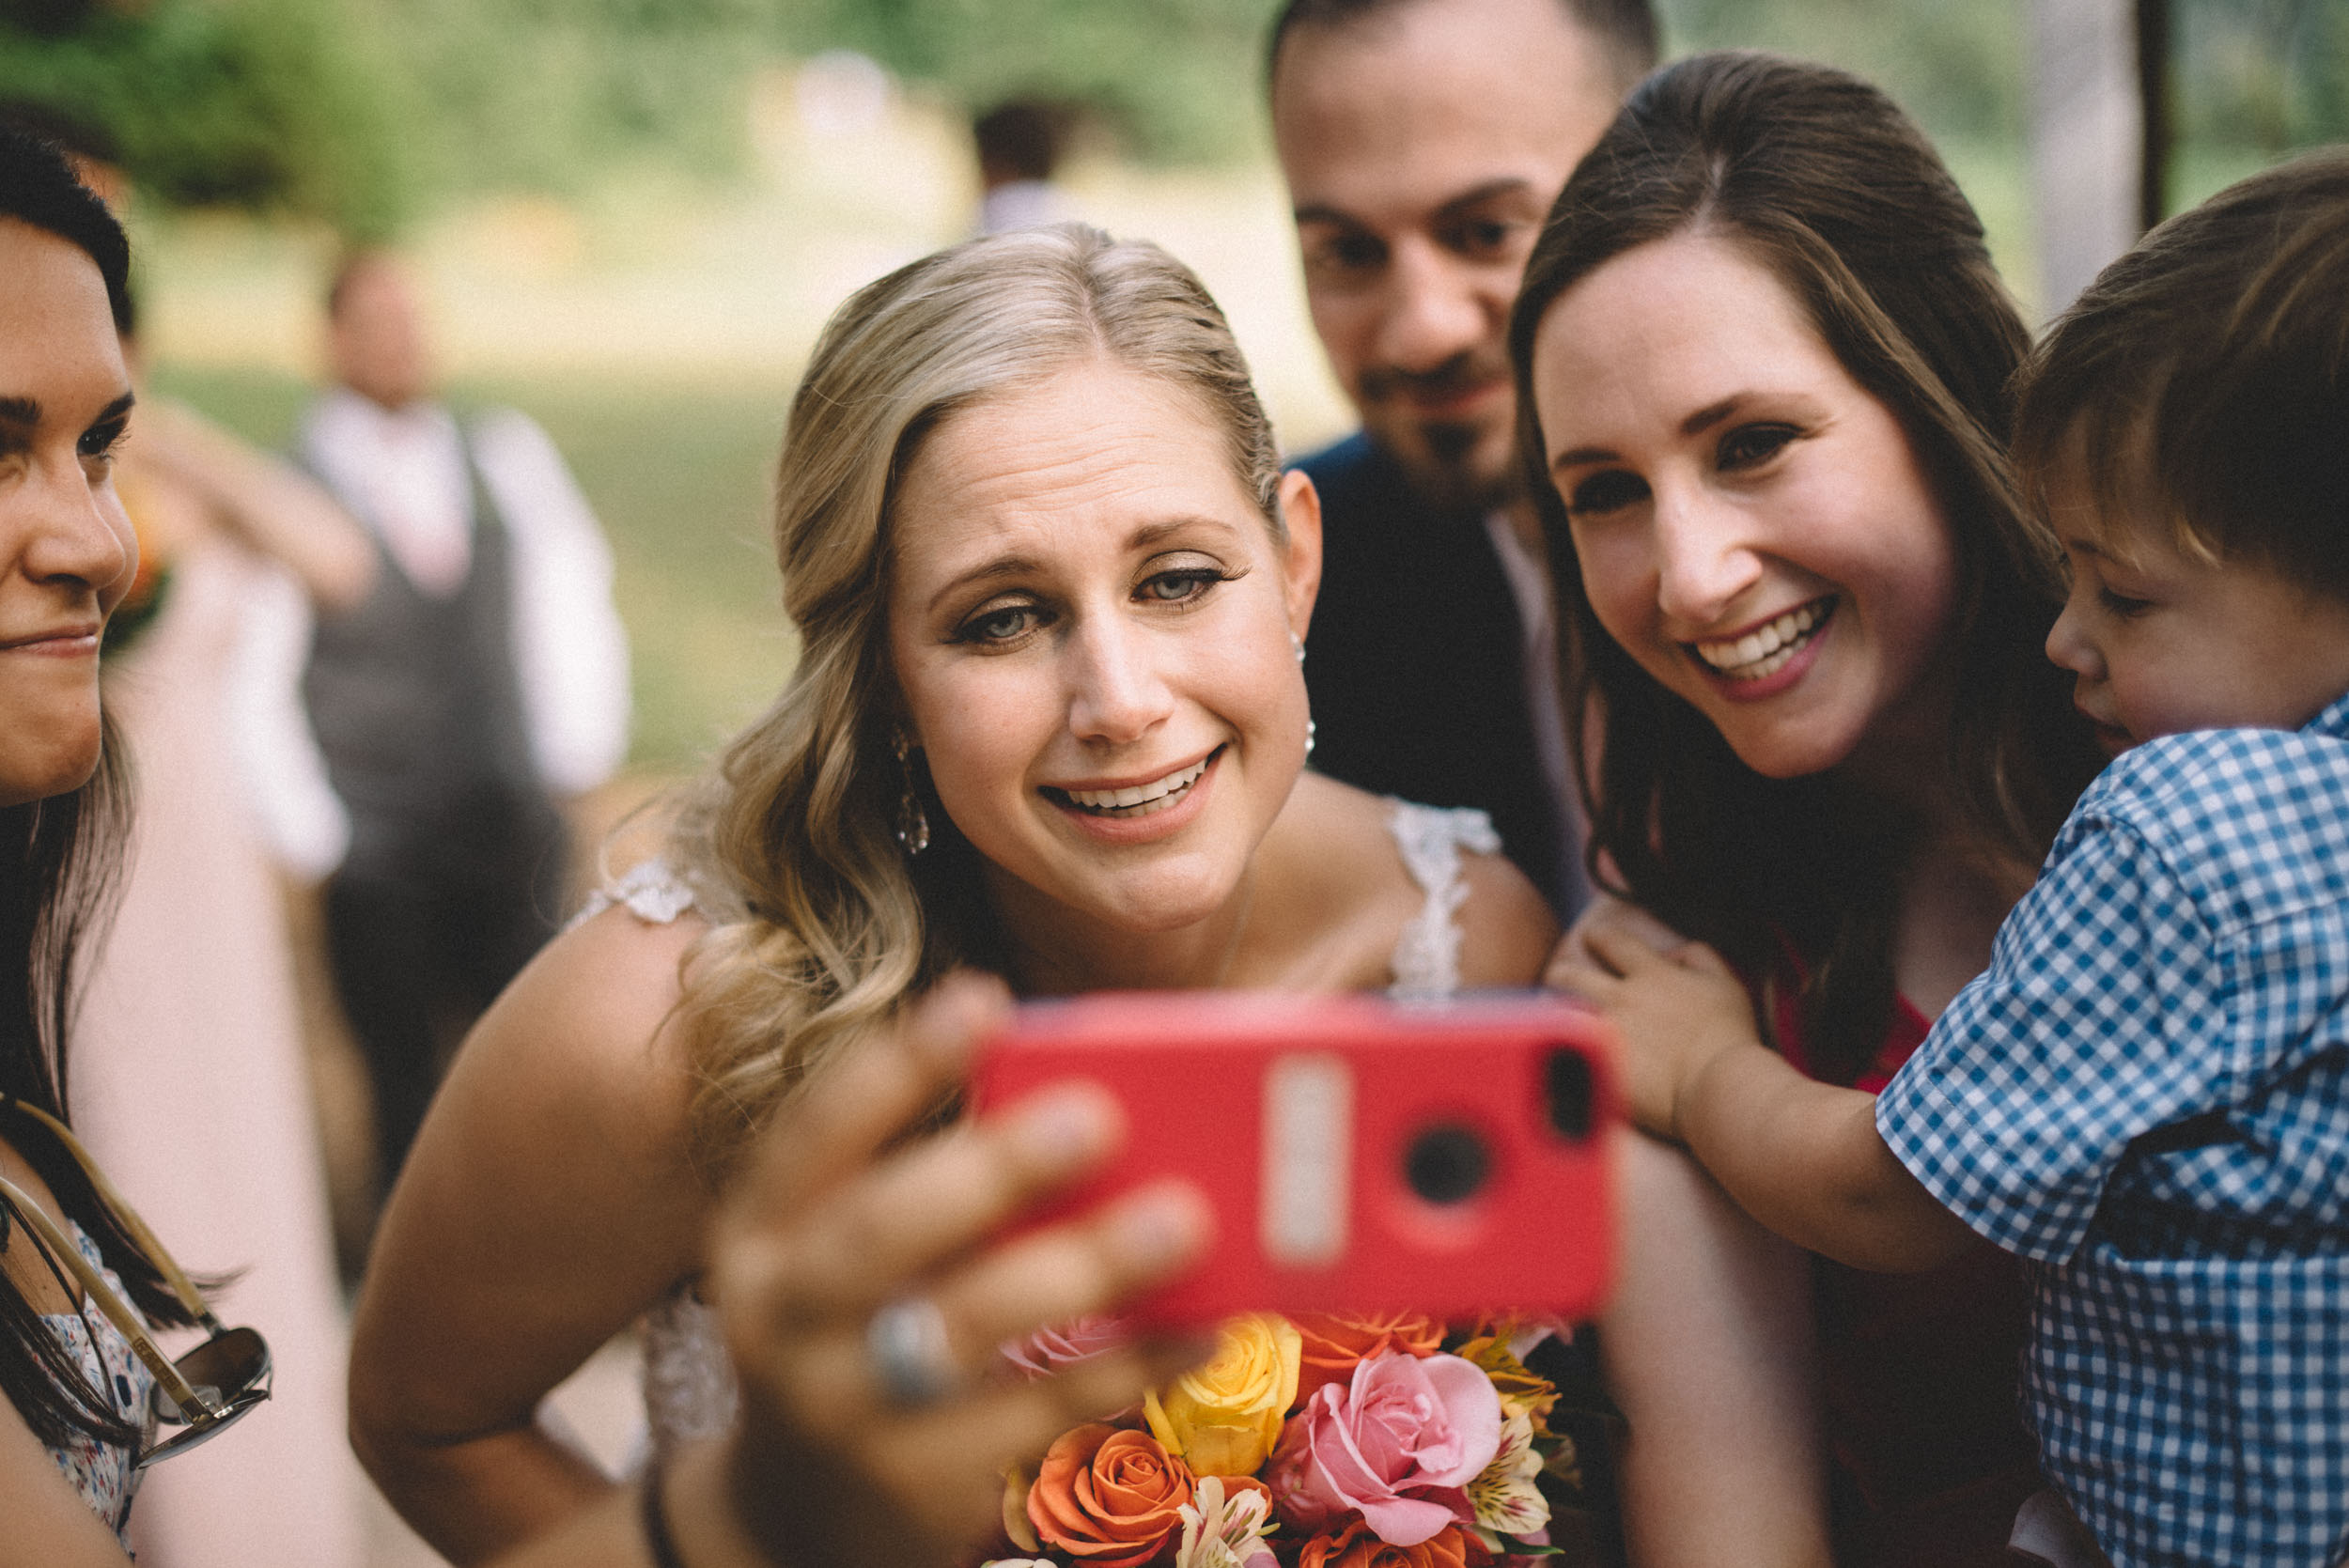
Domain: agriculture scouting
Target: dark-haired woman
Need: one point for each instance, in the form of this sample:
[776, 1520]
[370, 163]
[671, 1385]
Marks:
[74, 1390]
[1762, 352]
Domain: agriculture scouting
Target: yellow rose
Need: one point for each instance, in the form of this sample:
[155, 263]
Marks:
[1225, 1418]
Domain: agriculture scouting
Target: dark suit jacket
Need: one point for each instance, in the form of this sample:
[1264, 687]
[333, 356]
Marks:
[1416, 662]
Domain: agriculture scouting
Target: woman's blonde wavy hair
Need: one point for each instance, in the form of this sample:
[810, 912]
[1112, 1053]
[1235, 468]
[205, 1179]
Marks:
[821, 926]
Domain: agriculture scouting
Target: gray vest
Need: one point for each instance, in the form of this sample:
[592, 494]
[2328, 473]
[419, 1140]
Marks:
[418, 709]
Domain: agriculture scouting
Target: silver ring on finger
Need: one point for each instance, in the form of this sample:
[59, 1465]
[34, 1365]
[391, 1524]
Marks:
[913, 1359]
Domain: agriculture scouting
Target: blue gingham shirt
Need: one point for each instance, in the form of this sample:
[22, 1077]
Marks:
[2147, 1096]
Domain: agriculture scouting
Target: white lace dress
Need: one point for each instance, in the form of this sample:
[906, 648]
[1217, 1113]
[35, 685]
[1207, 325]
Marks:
[689, 1388]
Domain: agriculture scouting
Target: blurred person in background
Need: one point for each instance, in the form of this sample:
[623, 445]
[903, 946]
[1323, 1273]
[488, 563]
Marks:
[189, 1015]
[482, 681]
[1019, 144]
[1424, 142]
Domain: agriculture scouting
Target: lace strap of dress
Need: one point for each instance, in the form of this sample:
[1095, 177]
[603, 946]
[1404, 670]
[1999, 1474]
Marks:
[1426, 958]
[653, 894]
[689, 1383]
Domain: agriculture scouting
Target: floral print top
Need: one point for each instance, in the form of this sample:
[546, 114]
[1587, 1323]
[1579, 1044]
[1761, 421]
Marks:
[106, 1474]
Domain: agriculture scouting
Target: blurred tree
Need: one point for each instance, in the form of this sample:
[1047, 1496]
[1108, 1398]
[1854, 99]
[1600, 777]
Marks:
[359, 111]
[1957, 65]
[2268, 75]
[1180, 78]
[543, 94]
[273, 104]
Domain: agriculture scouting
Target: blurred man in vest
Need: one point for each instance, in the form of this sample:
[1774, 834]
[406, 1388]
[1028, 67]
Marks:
[483, 678]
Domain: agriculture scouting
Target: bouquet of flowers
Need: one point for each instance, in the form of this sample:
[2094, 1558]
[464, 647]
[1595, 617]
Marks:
[1327, 1442]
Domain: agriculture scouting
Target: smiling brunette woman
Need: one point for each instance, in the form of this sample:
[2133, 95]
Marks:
[1052, 588]
[1762, 355]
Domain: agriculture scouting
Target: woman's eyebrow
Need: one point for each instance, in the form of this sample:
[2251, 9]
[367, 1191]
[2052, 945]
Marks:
[26, 411]
[1695, 425]
[1001, 566]
[1165, 528]
[1576, 456]
[1712, 415]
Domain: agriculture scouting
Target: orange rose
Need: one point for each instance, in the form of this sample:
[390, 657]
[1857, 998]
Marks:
[1333, 1343]
[1108, 1498]
[1358, 1547]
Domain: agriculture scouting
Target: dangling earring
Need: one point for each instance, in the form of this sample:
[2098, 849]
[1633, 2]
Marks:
[1299, 644]
[913, 827]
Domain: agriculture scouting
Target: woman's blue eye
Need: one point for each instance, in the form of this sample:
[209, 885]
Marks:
[998, 626]
[1175, 587]
[1605, 492]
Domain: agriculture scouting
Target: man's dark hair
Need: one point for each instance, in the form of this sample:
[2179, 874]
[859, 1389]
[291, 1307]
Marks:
[1625, 29]
[38, 187]
[1021, 138]
[2202, 382]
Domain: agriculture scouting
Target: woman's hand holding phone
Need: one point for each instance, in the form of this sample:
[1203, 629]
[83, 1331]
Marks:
[837, 1460]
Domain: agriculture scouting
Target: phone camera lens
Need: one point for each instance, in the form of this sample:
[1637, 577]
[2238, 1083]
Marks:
[1446, 1164]
[1567, 1078]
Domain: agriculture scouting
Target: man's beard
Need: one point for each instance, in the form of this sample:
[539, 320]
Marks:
[1447, 462]
[1447, 472]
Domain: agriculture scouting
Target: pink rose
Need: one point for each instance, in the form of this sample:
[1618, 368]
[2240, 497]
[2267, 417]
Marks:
[1398, 1444]
[1050, 1350]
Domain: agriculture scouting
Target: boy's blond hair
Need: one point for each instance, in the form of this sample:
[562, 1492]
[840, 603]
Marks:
[2201, 383]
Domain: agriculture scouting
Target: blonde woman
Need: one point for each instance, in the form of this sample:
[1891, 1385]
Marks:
[1051, 589]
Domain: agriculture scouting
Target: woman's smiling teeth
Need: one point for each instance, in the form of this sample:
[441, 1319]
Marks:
[1138, 800]
[1766, 649]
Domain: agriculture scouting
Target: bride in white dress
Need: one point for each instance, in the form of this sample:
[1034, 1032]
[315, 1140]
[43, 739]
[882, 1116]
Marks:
[1052, 588]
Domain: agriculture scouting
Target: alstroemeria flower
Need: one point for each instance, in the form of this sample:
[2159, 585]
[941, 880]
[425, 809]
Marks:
[1397, 1444]
[1520, 1389]
[1224, 1525]
[1506, 1500]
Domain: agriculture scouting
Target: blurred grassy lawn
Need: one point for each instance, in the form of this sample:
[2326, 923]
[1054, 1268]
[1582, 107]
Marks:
[681, 477]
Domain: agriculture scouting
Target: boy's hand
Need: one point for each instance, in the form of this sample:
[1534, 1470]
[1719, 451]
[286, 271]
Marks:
[1676, 1004]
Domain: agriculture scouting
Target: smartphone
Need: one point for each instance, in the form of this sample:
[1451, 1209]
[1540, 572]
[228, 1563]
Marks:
[1361, 1155]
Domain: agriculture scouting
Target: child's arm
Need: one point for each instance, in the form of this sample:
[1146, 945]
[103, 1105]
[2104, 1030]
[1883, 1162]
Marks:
[1801, 1156]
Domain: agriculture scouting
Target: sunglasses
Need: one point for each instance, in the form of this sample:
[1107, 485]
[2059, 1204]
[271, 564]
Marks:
[205, 1390]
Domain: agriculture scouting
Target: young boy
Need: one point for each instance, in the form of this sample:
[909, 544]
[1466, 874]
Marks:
[2147, 1095]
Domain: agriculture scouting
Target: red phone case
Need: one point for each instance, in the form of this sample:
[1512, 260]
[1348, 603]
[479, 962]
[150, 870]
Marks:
[1318, 1127]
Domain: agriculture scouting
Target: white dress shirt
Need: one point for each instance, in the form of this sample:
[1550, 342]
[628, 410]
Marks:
[403, 474]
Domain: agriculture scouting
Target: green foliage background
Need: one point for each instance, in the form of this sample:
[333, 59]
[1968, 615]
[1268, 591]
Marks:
[364, 111]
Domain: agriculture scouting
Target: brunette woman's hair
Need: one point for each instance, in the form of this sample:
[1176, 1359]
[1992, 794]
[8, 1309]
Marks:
[58, 861]
[1820, 179]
